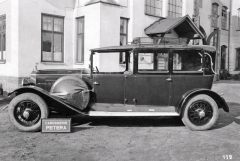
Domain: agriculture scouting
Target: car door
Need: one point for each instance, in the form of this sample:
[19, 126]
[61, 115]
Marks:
[149, 85]
[109, 88]
[187, 74]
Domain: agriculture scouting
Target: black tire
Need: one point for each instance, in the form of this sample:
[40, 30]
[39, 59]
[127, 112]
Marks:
[200, 113]
[26, 111]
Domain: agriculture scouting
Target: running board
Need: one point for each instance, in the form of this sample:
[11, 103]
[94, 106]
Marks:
[102, 113]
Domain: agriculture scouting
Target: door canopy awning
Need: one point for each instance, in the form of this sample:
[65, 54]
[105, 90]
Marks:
[183, 26]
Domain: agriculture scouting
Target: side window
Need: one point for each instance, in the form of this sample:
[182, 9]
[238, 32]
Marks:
[156, 62]
[189, 61]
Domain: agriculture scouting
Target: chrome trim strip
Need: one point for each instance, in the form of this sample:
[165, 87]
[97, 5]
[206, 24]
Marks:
[102, 113]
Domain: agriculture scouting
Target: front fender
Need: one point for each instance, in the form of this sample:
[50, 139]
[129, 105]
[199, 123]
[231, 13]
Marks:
[62, 105]
[219, 99]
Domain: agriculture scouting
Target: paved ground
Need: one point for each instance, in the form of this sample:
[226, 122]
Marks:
[127, 139]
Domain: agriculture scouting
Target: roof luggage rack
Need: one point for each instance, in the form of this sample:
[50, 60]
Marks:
[159, 41]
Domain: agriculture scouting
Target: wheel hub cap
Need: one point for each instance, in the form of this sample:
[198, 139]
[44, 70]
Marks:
[26, 114]
[201, 114]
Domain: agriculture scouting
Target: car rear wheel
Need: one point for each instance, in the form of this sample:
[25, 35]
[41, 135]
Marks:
[26, 111]
[200, 113]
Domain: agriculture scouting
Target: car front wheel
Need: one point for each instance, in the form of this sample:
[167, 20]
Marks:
[26, 111]
[200, 113]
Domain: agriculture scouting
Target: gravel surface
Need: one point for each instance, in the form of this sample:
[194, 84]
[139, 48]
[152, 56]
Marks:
[140, 139]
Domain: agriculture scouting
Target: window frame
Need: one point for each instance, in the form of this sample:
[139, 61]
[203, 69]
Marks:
[83, 43]
[3, 32]
[52, 35]
[153, 7]
[121, 54]
[174, 4]
[224, 19]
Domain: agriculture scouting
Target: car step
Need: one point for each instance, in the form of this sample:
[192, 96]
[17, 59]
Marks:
[102, 113]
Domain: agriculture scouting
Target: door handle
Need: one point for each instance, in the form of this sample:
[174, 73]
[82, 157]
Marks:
[96, 83]
[169, 80]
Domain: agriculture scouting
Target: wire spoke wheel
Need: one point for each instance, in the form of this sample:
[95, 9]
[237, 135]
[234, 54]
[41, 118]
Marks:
[27, 113]
[200, 112]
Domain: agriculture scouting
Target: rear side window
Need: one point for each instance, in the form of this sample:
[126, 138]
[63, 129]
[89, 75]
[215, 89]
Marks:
[155, 62]
[187, 61]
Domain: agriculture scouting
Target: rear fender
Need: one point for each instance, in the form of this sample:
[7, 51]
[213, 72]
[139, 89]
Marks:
[219, 99]
[62, 106]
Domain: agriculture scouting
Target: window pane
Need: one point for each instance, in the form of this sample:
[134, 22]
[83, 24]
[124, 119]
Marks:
[148, 2]
[162, 61]
[171, 8]
[152, 11]
[123, 40]
[152, 2]
[123, 26]
[1, 47]
[1, 25]
[81, 25]
[47, 46]
[158, 12]
[47, 23]
[148, 10]
[3, 42]
[158, 4]
[80, 48]
[57, 47]
[145, 62]
[4, 24]
[58, 24]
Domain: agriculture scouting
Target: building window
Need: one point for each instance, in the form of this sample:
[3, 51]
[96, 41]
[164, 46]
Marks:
[237, 59]
[238, 26]
[2, 38]
[215, 15]
[174, 8]
[224, 17]
[52, 38]
[153, 7]
[80, 40]
[123, 37]
[196, 8]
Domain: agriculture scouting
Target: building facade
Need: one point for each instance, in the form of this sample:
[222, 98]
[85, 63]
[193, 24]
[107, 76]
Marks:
[50, 34]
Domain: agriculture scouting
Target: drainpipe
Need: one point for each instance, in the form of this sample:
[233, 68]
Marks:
[229, 30]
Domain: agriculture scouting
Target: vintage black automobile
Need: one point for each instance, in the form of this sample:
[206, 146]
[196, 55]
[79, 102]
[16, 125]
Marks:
[161, 78]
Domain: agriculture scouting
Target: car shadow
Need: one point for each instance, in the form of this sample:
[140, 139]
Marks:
[127, 121]
[226, 119]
